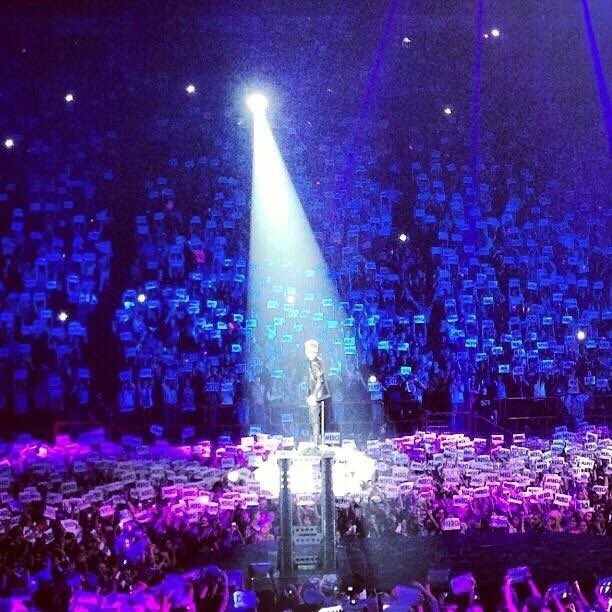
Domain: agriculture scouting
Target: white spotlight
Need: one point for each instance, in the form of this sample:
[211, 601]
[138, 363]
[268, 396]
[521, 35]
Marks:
[257, 102]
[190, 89]
[495, 33]
[142, 298]
[9, 143]
[406, 41]
[291, 299]
[69, 97]
[63, 316]
[403, 237]
[580, 335]
[372, 379]
[448, 110]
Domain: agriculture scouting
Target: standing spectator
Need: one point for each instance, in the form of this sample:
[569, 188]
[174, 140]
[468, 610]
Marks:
[170, 401]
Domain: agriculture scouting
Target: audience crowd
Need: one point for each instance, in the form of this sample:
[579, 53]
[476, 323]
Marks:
[213, 590]
[468, 271]
[531, 487]
[56, 259]
[103, 517]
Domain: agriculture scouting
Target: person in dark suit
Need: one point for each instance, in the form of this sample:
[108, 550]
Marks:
[319, 395]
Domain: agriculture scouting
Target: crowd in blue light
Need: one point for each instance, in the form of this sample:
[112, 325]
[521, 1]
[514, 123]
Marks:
[505, 261]
[499, 291]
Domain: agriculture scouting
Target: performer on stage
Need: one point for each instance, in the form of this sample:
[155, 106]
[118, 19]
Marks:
[319, 395]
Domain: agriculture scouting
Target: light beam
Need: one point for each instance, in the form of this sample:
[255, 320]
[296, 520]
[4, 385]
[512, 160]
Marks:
[285, 260]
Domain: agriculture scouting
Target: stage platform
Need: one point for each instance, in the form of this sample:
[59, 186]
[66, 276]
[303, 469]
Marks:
[351, 468]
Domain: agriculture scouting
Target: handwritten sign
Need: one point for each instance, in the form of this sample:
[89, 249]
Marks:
[451, 524]
[561, 500]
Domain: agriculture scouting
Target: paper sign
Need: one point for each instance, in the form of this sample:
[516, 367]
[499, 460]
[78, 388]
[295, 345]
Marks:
[50, 513]
[69, 487]
[606, 453]
[478, 480]
[498, 522]
[399, 472]
[406, 487]
[304, 499]
[146, 493]
[250, 499]
[451, 524]
[227, 463]
[190, 491]
[561, 500]
[391, 490]
[70, 526]
[106, 511]
[546, 495]
[332, 438]
[227, 504]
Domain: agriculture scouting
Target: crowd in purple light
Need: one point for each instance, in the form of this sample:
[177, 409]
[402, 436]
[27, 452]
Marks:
[100, 517]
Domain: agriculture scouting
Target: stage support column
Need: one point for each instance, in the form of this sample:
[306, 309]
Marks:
[328, 513]
[285, 543]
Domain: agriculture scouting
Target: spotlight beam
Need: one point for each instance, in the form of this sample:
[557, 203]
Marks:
[285, 259]
[470, 216]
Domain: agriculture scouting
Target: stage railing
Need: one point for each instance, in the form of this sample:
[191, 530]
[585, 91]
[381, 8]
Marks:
[351, 411]
[71, 427]
[485, 427]
[506, 417]
[529, 415]
[598, 410]
[447, 420]
[536, 416]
